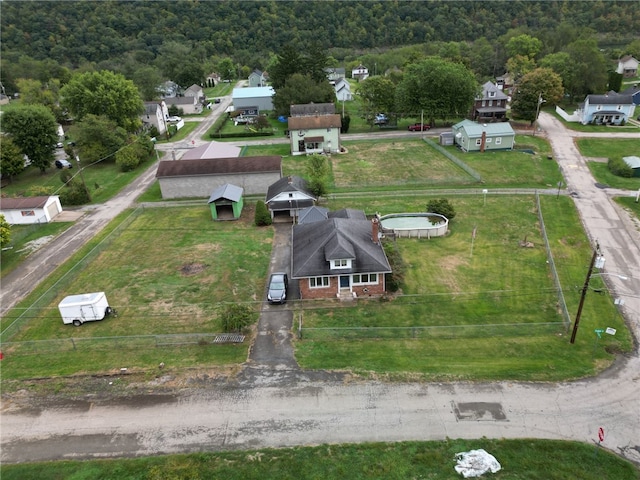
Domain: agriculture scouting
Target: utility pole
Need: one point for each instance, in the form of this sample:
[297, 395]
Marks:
[584, 293]
[535, 121]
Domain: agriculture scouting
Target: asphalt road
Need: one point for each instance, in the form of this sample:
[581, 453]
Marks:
[272, 403]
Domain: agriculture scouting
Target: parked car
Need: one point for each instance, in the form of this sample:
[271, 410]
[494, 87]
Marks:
[174, 119]
[278, 286]
[59, 145]
[63, 164]
[419, 127]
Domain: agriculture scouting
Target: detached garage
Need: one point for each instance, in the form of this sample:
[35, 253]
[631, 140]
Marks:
[198, 178]
[29, 210]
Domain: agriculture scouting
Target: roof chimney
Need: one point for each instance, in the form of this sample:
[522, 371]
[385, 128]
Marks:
[374, 230]
[290, 180]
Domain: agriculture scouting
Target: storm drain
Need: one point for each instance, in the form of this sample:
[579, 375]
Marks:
[478, 411]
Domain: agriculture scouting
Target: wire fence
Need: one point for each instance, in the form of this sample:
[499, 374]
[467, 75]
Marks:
[131, 342]
[562, 304]
[476, 176]
[436, 332]
[48, 297]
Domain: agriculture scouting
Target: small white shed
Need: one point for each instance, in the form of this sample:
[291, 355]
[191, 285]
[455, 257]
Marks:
[29, 210]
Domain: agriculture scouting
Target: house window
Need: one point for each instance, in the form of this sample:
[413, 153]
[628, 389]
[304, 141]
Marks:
[365, 278]
[313, 145]
[328, 130]
[484, 103]
[28, 213]
[291, 195]
[498, 140]
[478, 142]
[341, 263]
[491, 103]
[318, 282]
[488, 139]
[492, 94]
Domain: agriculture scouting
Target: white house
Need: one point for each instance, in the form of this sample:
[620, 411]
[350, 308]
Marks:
[155, 114]
[314, 134]
[29, 210]
[189, 105]
[343, 90]
[627, 66]
[288, 196]
[360, 72]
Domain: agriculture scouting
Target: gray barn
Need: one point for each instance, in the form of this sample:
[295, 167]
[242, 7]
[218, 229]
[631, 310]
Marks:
[198, 178]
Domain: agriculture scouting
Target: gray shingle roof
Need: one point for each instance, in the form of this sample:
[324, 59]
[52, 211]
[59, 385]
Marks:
[227, 191]
[292, 183]
[313, 244]
[610, 99]
[17, 203]
[313, 109]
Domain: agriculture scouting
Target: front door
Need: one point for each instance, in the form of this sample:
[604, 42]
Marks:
[344, 281]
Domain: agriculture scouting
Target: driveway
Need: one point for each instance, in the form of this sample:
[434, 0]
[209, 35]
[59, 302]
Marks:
[275, 404]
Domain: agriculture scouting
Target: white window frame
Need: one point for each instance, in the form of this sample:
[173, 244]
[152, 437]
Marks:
[498, 140]
[368, 281]
[488, 139]
[478, 142]
[340, 263]
[319, 282]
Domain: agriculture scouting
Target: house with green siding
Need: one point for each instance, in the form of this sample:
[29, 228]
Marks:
[481, 137]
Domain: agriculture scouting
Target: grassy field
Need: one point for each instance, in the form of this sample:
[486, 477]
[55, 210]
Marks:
[411, 163]
[602, 148]
[519, 459]
[205, 264]
[168, 272]
[493, 303]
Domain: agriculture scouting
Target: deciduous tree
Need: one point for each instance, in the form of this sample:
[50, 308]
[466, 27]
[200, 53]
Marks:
[34, 131]
[302, 89]
[440, 88]
[104, 93]
[97, 138]
[11, 159]
[378, 95]
[5, 231]
[542, 84]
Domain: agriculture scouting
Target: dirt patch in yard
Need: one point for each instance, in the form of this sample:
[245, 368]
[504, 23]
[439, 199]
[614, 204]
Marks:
[192, 268]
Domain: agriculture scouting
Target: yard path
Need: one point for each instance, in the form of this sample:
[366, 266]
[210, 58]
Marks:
[274, 404]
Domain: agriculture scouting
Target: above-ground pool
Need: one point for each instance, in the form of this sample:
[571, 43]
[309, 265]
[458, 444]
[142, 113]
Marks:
[420, 225]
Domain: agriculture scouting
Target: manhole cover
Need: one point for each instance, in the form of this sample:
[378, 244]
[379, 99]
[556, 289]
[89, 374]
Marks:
[478, 411]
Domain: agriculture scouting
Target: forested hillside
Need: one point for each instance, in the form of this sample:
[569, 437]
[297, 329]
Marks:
[73, 33]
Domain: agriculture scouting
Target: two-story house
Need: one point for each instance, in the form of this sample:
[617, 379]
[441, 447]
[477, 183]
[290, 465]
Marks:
[627, 67]
[490, 105]
[360, 73]
[155, 114]
[338, 254]
[314, 128]
[608, 109]
[258, 78]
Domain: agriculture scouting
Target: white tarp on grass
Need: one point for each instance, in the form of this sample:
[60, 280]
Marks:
[475, 463]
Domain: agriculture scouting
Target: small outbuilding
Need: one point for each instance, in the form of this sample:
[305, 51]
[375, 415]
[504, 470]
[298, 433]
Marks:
[634, 163]
[226, 202]
[481, 137]
[30, 210]
[288, 196]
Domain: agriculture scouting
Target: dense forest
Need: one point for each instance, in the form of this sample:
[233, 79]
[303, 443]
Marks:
[73, 33]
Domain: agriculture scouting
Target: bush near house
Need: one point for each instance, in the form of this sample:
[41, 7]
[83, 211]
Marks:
[619, 167]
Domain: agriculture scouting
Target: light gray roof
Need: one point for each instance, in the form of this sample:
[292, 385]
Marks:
[219, 166]
[315, 243]
[19, 203]
[212, 150]
[253, 92]
[475, 129]
[227, 191]
[633, 161]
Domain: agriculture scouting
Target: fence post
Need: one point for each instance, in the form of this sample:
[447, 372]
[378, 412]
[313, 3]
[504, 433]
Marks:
[73, 343]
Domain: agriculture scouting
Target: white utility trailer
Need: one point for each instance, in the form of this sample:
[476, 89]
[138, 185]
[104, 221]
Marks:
[86, 307]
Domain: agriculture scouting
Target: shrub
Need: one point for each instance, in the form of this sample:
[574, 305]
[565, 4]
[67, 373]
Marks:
[127, 159]
[75, 194]
[442, 207]
[236, 318]
[619, 167]
[395, 279]
[262, 217]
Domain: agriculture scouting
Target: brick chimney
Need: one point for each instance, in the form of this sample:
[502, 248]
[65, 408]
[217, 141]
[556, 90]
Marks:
[374, 230]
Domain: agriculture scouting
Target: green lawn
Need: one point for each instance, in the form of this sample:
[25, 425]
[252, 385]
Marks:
[455, 300]
[603, 148]
[168, 272]
[24, 239]
[412, 163]
[519, 459]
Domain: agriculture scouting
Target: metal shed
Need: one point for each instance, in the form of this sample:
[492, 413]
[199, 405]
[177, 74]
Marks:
[226, 202]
